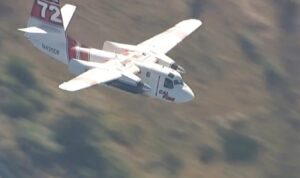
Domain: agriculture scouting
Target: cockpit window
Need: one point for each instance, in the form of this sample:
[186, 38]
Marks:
[171, 75]
[148, 74]
[168, 83]
[178, 82]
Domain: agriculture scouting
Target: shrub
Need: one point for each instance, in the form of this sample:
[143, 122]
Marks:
[18, 107]
[206, 154]
[18, 69]
[172, 163]
[239, 148]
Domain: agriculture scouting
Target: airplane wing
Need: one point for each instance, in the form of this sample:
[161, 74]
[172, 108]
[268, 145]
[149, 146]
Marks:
[164, 42]
[90, 78]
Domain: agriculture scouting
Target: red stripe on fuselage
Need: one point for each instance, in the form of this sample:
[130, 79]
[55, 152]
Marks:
[72, 48]
[85, 56]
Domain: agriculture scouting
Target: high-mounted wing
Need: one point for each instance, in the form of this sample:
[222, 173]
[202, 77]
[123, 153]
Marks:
[92, 77]
[164, 42]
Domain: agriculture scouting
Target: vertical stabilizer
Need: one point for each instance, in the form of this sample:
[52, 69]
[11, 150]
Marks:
[46, 17]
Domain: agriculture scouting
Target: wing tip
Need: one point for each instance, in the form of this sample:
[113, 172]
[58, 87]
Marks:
[189, 24]
[195, 21]
[65, 87]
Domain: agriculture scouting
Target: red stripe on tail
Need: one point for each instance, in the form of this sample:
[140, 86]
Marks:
[47, 11]
[72, 48]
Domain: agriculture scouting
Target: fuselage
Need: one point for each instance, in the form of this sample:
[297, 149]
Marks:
[157, 80]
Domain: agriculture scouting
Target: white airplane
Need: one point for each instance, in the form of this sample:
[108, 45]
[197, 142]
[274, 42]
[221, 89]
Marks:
[140, 69]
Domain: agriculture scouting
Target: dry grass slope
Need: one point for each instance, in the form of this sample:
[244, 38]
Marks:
[243, 65]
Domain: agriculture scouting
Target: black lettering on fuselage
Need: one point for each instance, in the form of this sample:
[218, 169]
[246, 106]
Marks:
[165, 95]
[50, 49]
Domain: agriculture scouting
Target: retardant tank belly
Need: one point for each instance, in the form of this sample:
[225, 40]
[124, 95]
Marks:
[138, 88]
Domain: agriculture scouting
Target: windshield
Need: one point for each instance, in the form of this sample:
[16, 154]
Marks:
[178, 82]
[168, 83]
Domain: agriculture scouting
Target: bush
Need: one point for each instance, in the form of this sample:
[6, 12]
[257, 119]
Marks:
[288, 15]
[249, 49]
[172, 163]
[206, 154]
[18, 107]
[24, 105]
[127, 136]
[80, 157]
[18, 69]
[24, 98]
[239, 148]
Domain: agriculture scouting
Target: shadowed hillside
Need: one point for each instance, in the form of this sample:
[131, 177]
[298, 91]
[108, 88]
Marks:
[243, 65]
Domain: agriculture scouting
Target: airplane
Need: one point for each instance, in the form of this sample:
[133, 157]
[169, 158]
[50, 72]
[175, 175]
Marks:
[142, 69]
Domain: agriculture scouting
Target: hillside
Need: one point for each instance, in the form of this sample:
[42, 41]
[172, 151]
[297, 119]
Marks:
[243, 65]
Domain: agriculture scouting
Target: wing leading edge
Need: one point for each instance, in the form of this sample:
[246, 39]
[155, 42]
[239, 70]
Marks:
[164, 42]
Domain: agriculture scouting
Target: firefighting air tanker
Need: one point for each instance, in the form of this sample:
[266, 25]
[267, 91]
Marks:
[143, 69]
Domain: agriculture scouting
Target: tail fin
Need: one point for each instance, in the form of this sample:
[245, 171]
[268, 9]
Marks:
[46, 31]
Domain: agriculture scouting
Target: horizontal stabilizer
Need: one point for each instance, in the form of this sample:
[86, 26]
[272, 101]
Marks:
[67, 12]
[33, 30]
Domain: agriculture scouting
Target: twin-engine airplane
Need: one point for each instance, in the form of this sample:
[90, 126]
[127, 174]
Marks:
[140, 69]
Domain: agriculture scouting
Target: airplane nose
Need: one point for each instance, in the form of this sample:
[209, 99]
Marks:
[186, 95]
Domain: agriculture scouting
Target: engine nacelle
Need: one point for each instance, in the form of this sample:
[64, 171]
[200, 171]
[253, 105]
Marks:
[161, 59]
[165, 60]
[94, 55]
[120, 48]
